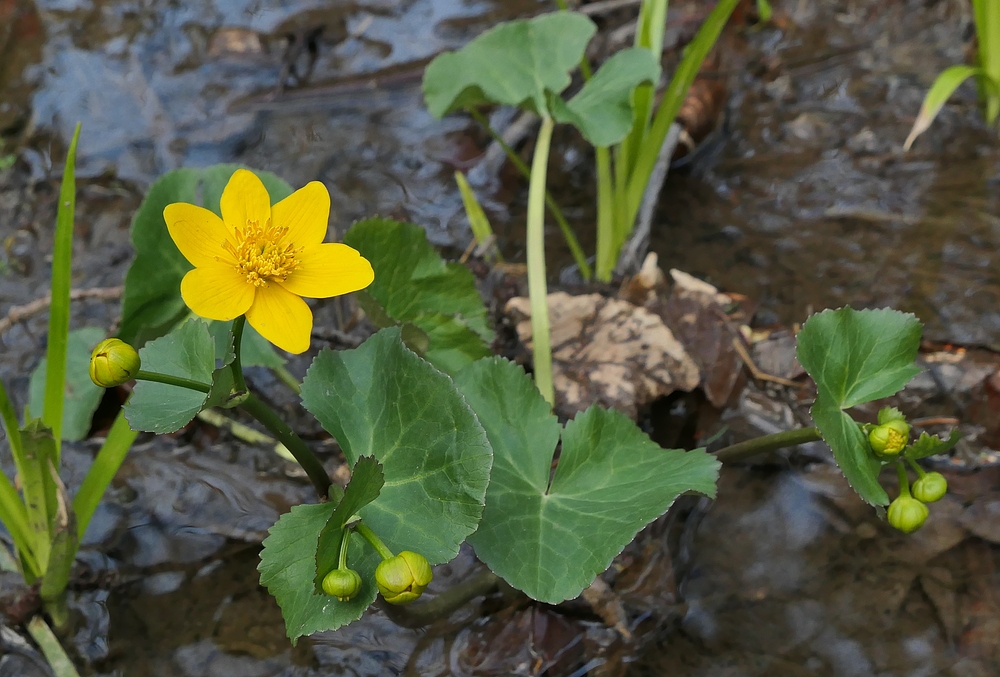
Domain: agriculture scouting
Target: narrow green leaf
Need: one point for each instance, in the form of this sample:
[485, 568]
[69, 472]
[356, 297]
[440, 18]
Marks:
[109, 458]
[9, 419]
[939, 93]
[670, 105]
[366, 483]
[932, 445]
[856, 357]
[64, 542]
[81, 396]
[478, 222]
[13, 513]
[987, 19]
[187, 352]
[54, 654]
[60, 284]
[288, 567]
[382, 400]
[513, 64]
[764, 11]
[602, 110]
[551, 540]
[36, 483]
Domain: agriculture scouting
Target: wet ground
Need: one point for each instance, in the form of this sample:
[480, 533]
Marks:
[805, 202]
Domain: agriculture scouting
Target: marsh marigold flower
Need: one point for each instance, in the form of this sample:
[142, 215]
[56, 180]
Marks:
[260, 260]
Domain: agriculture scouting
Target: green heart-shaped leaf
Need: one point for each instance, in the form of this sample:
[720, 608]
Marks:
[551, 540]
[382, 400]
[187, 352]
[602, 109]
[513, 64]
[856, 356]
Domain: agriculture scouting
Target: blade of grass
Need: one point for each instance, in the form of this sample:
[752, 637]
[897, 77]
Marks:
[987, 15]
[694, 55]
[537, 284]
[649, 35]
[102, 471]
[60, 663]
[478, 222]
[55, 375]
[13, 513]
[36, 483]
[939, 93]
[605, 215]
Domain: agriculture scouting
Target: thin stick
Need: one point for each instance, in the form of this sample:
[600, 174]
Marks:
[756, 372]
[19, 314]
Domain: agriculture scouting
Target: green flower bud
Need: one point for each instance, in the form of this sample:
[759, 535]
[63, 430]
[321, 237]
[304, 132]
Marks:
[889, 438]
[113, 362]
[929, 488]
[342, 584]
[907, 514]
[402, 579]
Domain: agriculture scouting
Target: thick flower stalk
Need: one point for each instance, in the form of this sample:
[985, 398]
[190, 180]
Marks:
[260, 260]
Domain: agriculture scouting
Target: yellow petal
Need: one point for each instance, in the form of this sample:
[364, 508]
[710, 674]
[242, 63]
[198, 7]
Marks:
[197, 232]
[282, 318]
[305, 213]
[217, 292]
[245, 199]
[329, 270]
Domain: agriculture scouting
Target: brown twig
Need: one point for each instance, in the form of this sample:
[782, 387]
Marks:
[19, 314]
[756, 372]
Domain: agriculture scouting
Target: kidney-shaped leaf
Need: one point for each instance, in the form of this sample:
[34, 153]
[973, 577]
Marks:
[187, 352]
[382, 400]
[414, 285]
[551, 540]
[602, 109]
[288, 566]
[856, 356]
[513, 64]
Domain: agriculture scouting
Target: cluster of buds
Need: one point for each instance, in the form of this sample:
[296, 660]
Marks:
[400, 578]
[909, 510]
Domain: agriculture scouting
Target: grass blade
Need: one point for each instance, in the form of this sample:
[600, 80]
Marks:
[60, 663]
[102, 471]
[36, 483]
[939, 93]
[987, 15]
[55, 376]
[480, 224]
[694, 55]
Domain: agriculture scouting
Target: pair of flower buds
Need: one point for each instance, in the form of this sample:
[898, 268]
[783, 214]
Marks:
[400, 579]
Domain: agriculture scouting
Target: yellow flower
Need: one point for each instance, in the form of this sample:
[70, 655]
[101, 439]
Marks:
[259, 259]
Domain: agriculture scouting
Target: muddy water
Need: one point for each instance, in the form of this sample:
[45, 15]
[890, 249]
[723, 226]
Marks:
[807, 203]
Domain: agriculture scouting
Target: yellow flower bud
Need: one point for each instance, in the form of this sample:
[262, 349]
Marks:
[342, 584]
[889, 438]
[907, 514]
[403, 578]
[929, 488]
[113, 362]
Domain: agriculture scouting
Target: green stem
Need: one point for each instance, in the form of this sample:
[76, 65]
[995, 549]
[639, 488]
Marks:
[102, 471]
[424, 613]
[916, 466]
[288, 379]
[605, 216]
[904, 481]
[537, 285]
[550, 202]
[303, 454]
[765, 443]
[60, 663]
[344, 542]
[372, 538]
[169, 380]
[238, 382]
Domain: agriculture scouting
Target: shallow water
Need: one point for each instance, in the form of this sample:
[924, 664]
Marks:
[808, 202]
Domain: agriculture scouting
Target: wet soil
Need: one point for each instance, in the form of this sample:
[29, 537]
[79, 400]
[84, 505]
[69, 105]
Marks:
[803, 201]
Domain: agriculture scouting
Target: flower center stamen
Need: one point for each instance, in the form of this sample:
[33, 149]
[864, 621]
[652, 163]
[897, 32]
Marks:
[261, 253]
